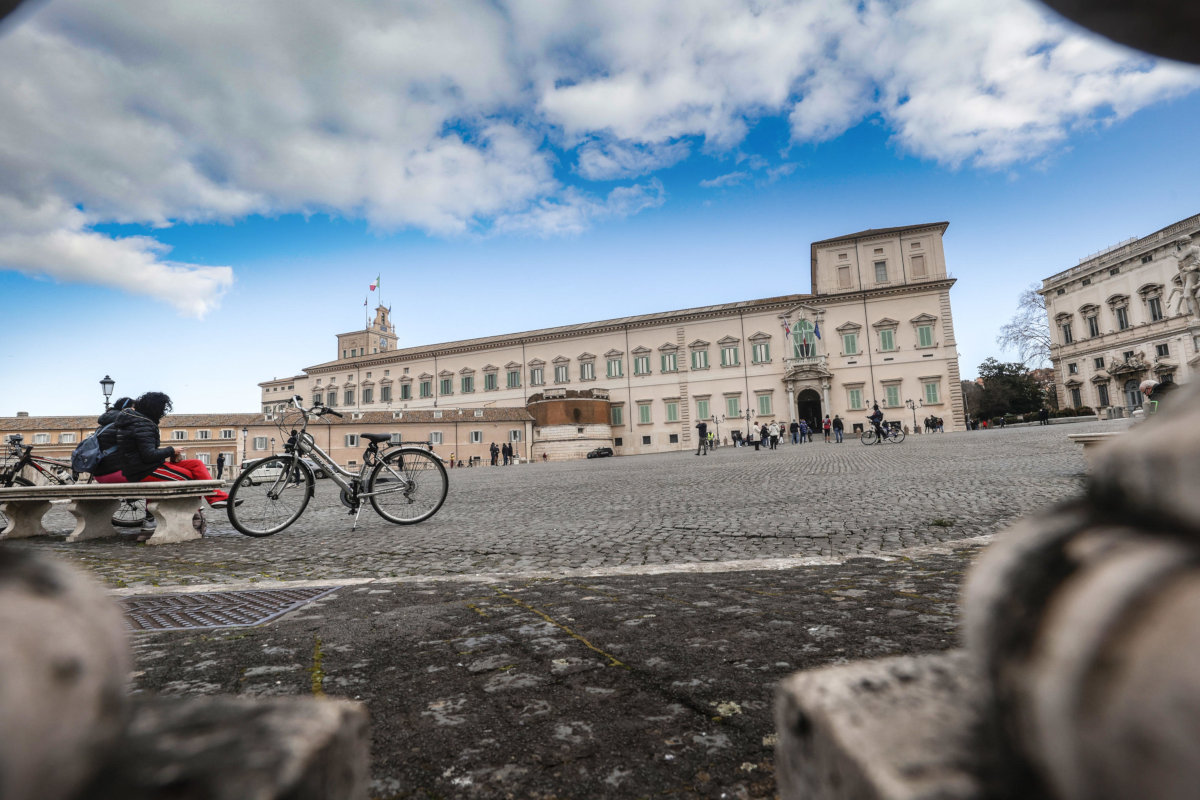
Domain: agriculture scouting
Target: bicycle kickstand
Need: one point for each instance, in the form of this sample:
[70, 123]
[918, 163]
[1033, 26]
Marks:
[357, 511]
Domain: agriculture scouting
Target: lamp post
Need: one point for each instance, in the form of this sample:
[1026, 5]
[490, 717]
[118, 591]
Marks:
[748, 418]
[244, 452]
[913, 406]
[272, 445]
[106, 386]
[716, 421]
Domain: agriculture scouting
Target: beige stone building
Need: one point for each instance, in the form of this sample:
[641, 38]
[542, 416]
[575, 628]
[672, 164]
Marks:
[1122, 316]
[877, 327]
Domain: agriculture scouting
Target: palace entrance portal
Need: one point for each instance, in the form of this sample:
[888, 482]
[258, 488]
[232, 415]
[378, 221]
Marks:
[808, 407]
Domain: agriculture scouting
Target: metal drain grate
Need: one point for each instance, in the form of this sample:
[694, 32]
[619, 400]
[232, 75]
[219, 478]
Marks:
[179, 612]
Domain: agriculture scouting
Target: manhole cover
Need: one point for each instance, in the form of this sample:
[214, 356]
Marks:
[177, 612]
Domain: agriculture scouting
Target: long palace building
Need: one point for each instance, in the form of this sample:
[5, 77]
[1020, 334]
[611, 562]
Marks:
[877, 327]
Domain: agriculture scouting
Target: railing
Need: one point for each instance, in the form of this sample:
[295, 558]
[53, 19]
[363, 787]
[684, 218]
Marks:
[1120, 251]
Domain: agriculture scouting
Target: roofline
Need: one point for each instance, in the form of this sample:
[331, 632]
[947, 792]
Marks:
[870, 233]
[1122, 252]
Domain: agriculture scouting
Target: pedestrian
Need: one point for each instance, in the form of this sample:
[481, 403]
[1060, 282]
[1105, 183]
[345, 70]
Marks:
[764, 435]
[838, 427]
[494, 451]
[794, 429]
[774, 431]
[1155, 393]
[1043, 416]
[544, 456]
[702, 435]
[827, 427]
[940, 428]
[220, 465]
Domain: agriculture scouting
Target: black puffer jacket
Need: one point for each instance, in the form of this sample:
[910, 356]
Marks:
[107, 439]
[138, 453]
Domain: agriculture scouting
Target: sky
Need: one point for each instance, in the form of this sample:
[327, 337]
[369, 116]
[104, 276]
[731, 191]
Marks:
[195, 197]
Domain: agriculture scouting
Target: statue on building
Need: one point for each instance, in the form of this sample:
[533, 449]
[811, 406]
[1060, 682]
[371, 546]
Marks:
[1187, 259]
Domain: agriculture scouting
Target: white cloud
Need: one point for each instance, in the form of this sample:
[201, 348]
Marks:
[728, 179]
[458, 117]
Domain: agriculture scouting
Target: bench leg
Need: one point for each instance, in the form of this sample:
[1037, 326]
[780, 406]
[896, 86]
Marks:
[25, 518]
[93, 519]
[174, 516]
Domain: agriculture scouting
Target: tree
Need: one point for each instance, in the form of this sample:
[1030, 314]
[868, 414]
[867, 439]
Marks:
[1028, 333]
[1008, 388]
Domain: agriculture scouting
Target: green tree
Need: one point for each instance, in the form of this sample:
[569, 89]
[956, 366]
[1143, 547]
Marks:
[1008, 388]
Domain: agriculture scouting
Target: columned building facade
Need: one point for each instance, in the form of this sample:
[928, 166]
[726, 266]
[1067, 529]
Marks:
[1124, 315]
[877, 327]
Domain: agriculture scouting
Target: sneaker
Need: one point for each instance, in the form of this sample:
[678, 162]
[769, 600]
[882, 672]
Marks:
[225, 503]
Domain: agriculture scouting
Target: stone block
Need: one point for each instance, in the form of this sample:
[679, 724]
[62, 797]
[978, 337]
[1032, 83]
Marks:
[899, 728]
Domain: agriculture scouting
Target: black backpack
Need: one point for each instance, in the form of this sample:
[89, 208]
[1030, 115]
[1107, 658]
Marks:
[88, 454]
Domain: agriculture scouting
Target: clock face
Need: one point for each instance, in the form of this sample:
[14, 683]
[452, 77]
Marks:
[382, 343]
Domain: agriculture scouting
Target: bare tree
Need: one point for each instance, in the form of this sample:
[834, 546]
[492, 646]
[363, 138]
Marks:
[1028, 333]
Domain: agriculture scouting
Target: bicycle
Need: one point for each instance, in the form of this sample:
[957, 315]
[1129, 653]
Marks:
[406, 484]
[894, 435]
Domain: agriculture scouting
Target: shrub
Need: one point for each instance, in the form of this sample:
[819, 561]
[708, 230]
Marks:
[1084, 411]
[1065, 412]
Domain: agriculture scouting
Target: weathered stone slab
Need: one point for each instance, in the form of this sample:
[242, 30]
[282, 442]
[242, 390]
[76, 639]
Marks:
[232, 748]
[892, 729]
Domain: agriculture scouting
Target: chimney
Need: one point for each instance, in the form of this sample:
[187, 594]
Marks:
[22, 413]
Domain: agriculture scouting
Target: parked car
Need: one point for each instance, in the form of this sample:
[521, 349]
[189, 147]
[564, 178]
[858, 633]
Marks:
[271, 474]
[600, 452]
[317, 471]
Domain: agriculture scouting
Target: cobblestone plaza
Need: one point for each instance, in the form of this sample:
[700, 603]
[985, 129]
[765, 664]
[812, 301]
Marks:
[736, 508]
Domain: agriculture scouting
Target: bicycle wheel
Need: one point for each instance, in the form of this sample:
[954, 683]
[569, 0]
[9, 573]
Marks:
[130, 514]
[269, 496]
[17, 481]
[868, 437]
[896, 437]
[408, 486]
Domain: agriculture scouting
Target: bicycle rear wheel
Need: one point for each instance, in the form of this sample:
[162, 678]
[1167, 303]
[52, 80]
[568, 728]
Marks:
[896, 436]
[408, 486]
[269, 496]
[130, 514]
[868, 437]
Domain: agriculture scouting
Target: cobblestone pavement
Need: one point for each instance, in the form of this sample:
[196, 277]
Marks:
[729, 509]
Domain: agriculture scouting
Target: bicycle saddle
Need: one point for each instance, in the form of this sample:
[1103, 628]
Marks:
[376, 437]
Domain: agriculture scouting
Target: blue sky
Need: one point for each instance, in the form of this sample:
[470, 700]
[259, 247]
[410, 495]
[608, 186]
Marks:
[192, 205]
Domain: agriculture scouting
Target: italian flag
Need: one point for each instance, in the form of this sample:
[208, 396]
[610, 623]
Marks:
[375, 285]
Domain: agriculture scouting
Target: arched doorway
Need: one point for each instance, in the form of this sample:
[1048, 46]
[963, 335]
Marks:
[808, 407]
[1133, 398]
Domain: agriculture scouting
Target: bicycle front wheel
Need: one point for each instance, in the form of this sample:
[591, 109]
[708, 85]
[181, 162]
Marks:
[269, 496]
[868, 437]
[408, 486]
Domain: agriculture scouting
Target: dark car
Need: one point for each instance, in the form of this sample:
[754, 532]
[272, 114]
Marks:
[601, 452]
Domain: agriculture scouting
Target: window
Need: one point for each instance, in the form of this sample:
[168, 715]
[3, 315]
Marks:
[587, 371]
[514, 379]
[1156, 312]
[733, 407]
[615, 368]
[537, 376]
[1093, 326]
[918, 266]
[447, 386]
[641, 365]
[368, 394]
[476, 437]
[514, 435]
[843, 277]
[672, 407]
[437, 414]
[397, 438]
[673, 438]
[426, 388]
[1066, 333]
[617, 442]
[887, 340]
[881, 275]
[227, 433]
[764, 405]
[644, 413]
[351, 440]
[41, 438]
[349, 397]
[1122, 317]
[699, 359]
[331, 399]
[645, 440]
[260, 443]
[1162, 350]
[804, 340]
[761, 353]
[849, 344]
[729, 357]
[670, 362]
[702, 409]
[491, 382]
[435, 437]
[317, 398]
[179, 435]
[1072, 369]
[618, 415]
[891, 396]
[1086, 282]
[855, 399]
[932, 397]
[560, 374]
[1102, 393]
[924, 336]
[1098, 363]
[66, 438]
[468, 384]
[1076, 400]
[203, 434]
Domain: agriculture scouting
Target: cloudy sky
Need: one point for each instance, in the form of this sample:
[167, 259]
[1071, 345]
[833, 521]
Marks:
[194, 197]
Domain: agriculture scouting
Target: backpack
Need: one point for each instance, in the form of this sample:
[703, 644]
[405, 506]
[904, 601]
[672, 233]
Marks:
[88, 454]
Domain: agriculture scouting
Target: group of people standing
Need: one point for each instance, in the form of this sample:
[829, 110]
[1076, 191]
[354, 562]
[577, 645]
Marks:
[934, 424]
[770, 434]
[504, 451]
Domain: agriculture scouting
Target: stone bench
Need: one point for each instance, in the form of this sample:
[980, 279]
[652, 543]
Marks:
[1091, 442]
[173, 504]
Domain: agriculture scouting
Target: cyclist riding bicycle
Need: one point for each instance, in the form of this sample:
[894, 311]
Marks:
[876, 418]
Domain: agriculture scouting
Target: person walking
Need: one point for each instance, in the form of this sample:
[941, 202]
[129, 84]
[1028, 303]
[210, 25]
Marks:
[220, 465]
[702, 433]
[838, 427]
[774, 430]
[827, 426]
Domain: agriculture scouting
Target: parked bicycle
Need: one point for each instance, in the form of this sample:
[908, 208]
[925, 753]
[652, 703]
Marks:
[405, 483]
[894, 435]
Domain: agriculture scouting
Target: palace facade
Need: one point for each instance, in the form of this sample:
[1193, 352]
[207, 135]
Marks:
[1121, 316]
[877, 327]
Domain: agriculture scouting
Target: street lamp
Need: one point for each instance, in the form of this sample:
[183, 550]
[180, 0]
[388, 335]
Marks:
[106, 386]
[913, 406]
[272, 445]
[717, 424]
[244, 451]
[748, 417]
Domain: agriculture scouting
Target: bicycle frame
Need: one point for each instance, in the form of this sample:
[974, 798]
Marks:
[26, 458]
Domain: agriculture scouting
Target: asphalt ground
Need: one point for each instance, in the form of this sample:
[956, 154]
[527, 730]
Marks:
[605, 628]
